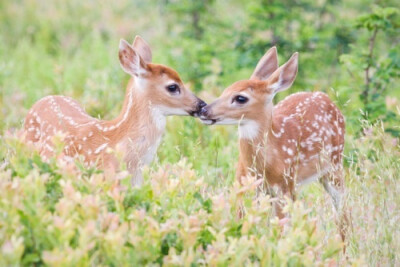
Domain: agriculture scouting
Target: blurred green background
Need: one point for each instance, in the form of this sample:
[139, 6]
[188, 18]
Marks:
[349, 49]
[70, 48]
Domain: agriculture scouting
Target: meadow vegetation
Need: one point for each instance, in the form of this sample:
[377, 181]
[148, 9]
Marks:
[53, 213]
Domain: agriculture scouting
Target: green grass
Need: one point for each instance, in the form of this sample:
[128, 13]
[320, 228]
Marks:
[185, 214]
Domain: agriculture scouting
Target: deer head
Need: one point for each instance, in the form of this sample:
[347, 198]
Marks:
[245, 100]
[156, 83]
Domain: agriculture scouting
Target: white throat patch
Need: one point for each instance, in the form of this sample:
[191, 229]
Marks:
[248, 130]
[159, 118]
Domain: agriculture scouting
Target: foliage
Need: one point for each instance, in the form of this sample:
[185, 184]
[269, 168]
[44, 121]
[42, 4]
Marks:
[379, 68]
[53, 213]
[175, 218]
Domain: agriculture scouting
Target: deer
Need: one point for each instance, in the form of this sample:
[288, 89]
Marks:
[298, 141]
[154, 92]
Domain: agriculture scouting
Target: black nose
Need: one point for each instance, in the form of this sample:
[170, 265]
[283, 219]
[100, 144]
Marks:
[199, 106]
[203, 111]
[202, 104]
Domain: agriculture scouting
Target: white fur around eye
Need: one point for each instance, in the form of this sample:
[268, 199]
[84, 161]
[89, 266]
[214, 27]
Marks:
[171, 82]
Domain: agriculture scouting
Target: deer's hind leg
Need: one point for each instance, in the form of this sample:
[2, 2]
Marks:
[333, 183]
[283, 191]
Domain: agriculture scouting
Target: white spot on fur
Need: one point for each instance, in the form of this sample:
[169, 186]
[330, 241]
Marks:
[277, 135]
[100, 148]
[49, 147]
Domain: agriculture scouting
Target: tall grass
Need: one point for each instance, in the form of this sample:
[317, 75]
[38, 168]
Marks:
[58, 214]
[185, 214]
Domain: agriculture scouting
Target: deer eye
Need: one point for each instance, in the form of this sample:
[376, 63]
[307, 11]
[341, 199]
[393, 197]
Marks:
[173, 88]
[240, 99]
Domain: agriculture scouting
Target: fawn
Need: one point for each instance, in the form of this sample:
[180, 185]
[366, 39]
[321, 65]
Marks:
[298, 141]
[154, 92]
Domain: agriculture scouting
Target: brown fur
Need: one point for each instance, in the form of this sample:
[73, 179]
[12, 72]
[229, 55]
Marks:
[301, 137]
[136, 132]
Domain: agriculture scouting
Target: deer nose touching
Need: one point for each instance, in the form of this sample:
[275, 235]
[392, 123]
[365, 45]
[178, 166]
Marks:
[204, 112]
[205, 115]
[200, 105]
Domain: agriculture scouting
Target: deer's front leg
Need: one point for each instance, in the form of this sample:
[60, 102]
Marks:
[241, 171]
[283, 191]
[134, 166]
[137, 178]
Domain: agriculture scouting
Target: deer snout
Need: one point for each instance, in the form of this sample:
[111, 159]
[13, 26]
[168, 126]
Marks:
[199, 106]
[205, 115]
[204, 112]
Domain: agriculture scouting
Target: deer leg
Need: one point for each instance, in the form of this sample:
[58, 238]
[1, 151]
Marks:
[280, 204]
[286, 190]
[335, 191]
[333, 183]
[137, 178]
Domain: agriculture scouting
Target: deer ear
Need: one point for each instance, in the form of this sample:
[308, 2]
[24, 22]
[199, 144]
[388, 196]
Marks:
[142, 47]
[284, 77]
[130, 60]
[266, 66]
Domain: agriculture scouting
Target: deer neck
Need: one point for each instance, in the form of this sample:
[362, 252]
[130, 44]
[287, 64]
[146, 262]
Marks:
[257, 140]
[138, 120]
